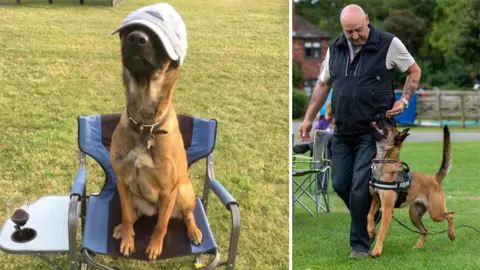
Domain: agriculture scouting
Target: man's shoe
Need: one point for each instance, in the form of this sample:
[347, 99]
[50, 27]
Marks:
[358, 255]
[377, 217]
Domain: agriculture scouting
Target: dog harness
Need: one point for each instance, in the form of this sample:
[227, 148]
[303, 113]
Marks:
[400, 186]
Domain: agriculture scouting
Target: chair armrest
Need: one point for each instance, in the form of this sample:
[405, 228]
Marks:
[79, 183]
[234, 236]
[232, 205]
[222, 193]
[73, 214]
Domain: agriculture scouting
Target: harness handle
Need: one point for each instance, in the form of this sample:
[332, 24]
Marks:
[400, 186]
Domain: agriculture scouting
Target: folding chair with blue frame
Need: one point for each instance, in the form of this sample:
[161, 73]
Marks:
[312, 170]
[55, 218]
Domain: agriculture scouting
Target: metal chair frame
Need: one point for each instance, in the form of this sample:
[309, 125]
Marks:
[318, 168]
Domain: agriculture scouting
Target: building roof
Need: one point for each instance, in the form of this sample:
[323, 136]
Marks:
[305, 29]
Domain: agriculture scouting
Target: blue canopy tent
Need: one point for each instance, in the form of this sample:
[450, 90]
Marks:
[409, 114]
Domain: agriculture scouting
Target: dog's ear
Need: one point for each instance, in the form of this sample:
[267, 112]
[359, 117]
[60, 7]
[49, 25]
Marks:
[401, 136]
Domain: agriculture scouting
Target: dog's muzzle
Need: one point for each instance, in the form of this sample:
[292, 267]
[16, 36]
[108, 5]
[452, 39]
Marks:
[138, 53]
[137, 38]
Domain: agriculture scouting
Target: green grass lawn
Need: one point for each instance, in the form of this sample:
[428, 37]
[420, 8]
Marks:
[60, 61]
[323, 242]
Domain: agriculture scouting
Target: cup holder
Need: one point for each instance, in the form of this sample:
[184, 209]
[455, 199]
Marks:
[20, 217]
[24, 235]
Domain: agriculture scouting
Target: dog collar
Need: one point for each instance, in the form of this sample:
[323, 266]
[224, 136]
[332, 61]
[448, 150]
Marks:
[152, 128]
[390, 161]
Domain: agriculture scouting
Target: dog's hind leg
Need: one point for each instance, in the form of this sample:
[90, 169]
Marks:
[438, 212]
[118, 230]
[451, 232]
[416, 211]
[186, 200]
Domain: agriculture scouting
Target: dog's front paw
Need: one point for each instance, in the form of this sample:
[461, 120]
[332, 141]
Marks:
[127, 244]
[195, 235]
[377, 251]
[451, 236]
[154, 248]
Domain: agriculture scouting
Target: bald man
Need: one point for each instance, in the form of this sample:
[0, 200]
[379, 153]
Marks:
[359, 67]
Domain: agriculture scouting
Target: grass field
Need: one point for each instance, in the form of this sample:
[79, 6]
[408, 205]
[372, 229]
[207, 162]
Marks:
[323, 242]
[60, 61]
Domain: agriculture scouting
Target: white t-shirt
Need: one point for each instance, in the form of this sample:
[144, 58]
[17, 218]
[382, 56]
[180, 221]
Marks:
[397, 57]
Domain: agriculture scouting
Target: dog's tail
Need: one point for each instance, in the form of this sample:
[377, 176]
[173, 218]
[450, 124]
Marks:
[447, 156]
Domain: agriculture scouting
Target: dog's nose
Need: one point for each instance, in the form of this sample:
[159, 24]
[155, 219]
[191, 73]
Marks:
[137, 37]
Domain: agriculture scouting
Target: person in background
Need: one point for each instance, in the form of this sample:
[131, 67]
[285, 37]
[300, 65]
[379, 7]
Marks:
[329, 117]
[328, 144]
[323, 123]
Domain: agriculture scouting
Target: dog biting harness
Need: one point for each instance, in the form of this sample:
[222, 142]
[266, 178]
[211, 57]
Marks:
[400, 186]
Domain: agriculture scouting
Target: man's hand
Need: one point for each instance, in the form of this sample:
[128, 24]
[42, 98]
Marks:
[411, 84]
[319, 96]
[304, 130]
[397, 108]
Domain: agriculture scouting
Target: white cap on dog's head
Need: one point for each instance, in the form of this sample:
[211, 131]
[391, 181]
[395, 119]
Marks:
[166, 23]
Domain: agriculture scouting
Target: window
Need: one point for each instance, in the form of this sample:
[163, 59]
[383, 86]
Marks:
[309, 85]
[312, 50]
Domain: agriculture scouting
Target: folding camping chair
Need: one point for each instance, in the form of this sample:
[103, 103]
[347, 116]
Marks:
[312, 170]
[55, 218]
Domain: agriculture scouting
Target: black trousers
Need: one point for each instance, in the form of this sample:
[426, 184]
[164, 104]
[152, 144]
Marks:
[351, 170]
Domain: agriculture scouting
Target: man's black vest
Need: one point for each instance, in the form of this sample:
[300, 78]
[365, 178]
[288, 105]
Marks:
[363, 88]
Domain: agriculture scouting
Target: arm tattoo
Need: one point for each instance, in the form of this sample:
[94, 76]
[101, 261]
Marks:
[313, 99]
[410, 87]
[410, 90]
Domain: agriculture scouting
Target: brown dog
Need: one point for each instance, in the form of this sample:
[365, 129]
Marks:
[424, 193]
[147, 151]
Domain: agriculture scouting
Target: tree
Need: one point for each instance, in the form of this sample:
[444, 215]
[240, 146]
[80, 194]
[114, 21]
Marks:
[409, 28]
[296, 76]
[456, 30]
[326, 13]
[443, 35]
[469, 44]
